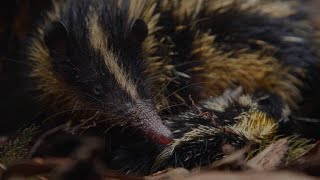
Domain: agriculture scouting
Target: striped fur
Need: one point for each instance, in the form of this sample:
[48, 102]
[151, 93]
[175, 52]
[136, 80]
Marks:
[206, 133]
[194, 51]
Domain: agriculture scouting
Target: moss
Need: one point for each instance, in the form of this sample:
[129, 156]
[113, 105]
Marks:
[297, 147]
[17, 148]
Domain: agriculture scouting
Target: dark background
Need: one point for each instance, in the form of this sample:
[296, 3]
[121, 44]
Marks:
[17, 20]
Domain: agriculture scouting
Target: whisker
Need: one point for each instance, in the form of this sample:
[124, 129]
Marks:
[69, 110]
[163, 88]
[171, 106]
[193, 84]
[167, 84]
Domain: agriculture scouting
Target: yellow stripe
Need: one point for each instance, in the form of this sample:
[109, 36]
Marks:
[99, 42]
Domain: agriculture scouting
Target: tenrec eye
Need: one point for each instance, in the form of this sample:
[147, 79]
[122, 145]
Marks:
[97, 90]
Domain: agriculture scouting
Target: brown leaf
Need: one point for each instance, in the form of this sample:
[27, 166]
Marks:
[2, 169]
[217, 175]
[271, 157]
[315, 14]
[27, 169]
[111, 175]
[234, 161]
[35, 167]
[170, 174]
[308, 162]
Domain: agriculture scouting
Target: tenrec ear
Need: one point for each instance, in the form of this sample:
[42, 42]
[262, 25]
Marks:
[56, 37]
[139, 30]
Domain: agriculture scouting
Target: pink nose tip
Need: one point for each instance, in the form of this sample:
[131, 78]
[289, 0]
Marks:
[164, 139]
[150, 123]
[154, 130]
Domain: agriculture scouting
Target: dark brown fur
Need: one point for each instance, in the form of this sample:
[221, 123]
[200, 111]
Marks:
[193, 50]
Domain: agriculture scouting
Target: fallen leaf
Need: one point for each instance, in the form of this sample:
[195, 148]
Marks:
[271, 157]
[308, 162]
[35, 167]
[234, 161]
[217, 175]
[170, 174]
[27, 169]
[112, 175]
[2, 169]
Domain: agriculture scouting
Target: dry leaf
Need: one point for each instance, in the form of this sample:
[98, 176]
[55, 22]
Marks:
[234, 161]
[308, 162]
[27, 169]
[271, 157]
[111, 175]
[216, 175]
[2, 169]
[170, 174]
